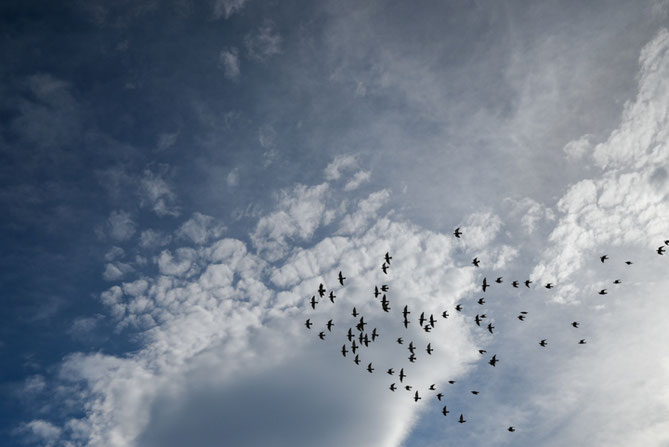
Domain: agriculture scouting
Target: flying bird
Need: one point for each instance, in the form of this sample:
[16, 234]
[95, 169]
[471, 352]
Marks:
[527, 283]
[617, 281]
[416, 397]
[329, 325]
[481, 301]
[499, 280]
[432, 320]
[444, 411]
[392, 387]
[475, 393]
[321, 290]
[343, 350]
[400, 341]
[374, 334]
[390, 371]
[476, 262]
[602, 292]
[349, 334]
[427, 328]
[451, 382]
[582, 342]
[457, 232]
[412, 348]
[356, 360]
[660, 250]
[322, 335]
[485, 284]
[429, 349]
[515, 284]
[628, 262]
[370, 369]
[422, 319]
[406, 323]
[354, 347]
[313, 302]
[355, 313]
[308, 323]
[478, 320]
[549, 285]
[341, 278]
[490, 327]
[402, 375]
[361, 325]
[406, 311]
[332, 296]
[458, 308]
[603, 258]
[388, 258]
[575, 323]
[432, 387]
[384, 287]
[493, 361]
[511, 429]
[462, 419]
[384, 267]
[407, 387]
[521, 317]
[444, 314]
[439, 396]
[482, 351]
[376, 292]
[543, 343]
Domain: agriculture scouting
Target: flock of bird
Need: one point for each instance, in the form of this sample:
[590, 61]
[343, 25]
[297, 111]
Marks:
[364, 337]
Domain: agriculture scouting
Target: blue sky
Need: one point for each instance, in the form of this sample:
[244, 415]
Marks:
[178, 177]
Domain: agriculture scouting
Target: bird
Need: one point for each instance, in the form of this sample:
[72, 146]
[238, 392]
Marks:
[313, 302]
[392, 387]
[575, 324]
[527, 283]
[660, 250]
[407, 387]
[603, 258]
[329, 325]
[451, 382]
[444, 314]
[384, 268]
[321, 290]
[356, 360]
[308, 323]
[628, 262]
[515, 284]
[493, 361]
[485, 284]
[388, 258]
[483, 316]
[322, 335]
[602, 292]
[374, 334]
[481, 301]
[332, 296]
[406, 311]
[385, 306]
[617, 281]
[499, 280]
[341, 278]
[390, 371]
[432, 387]
[476, 262]
[384, 302]
[440, 395]
[458, 308]
[376, 292]
[482, 351]
[384, 288]
[400, 341]
[416, 397]
[343, 350]
[406, 323]
[521, 317]
[422, 319]
[429, 349]
[432, 320]
[543, 343]
[490, 327]
[402, 375]
[549, 285]
[457, 232]
[361, 325]
[478, 320]
[582, 342]
[354, 347]
[475, 393]
[349, 334]
[523, 312]
[444, 411]
[355, 313]
[511, 429]
[370, 369]
[427, 328]
[666, 242]
[462, 419]
[412, 348]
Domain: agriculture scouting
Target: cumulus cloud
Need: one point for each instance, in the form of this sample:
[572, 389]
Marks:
[339, 165]
[40, 431]
[153, 239]
[157, 194]
[577, 149]
[200, 228]
[358, 179]
[229, 61]
[121, 225]
[264, 43]
[226, 8]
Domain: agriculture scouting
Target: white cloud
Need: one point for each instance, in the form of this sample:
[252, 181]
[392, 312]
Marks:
[156, 193]
[577, 149]
[152, 239]
[121, 225]
[367, 210]
[200, 229]
[115, 270]
[233, 178]
[336, 167]
[113, 253]
[264, 43]
[40, 431]
[229, 61]
[226, 8]
[358, 179]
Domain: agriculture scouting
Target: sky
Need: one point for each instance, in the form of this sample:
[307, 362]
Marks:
[178, 177]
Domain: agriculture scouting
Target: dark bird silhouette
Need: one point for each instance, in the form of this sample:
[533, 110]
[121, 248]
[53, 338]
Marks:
[617, 281]
[628, 262]
[429, 349]
[329, 325]
[462, 419]
[490, 327]
[451, 382]
[484, 285]
[427, 328]
[385, 307]
[476, 262]
[354, 347]
[666, 242]
[332, 296]
[515, 284]
[416, 397]
[355, 313]
[384, 288]
[402, 375]
[308, 323]
[457, 232]
[527, 283]
[603, 258]
[321, 290]
[602, 292]
[481, 301]
[444, 411]
[384, 268]
[499, 280]
[341, 278]
[458, 308]
[478, 320]
[392, 387]
[361, 324]
[388, 258]
[543, 342]
[421, 320]
[432, 320]
[406, 311]
[660, 250]
[370, 369]
[322, 335]
[412, 348]
[375, 334]
[390, 371]
[493, 361]
[482, 351]
[511, 429]
[575, 323]
[439, 396]
[406, 323]
[376, 292]
[444, 314]
[475, 393]
[400, 341]
[582, 342]
[521, 317]
[483, 316]
[549, 285]
[356, 360]
[343, 350]
[349, 334]
[313, 302]
[432, 387]
[523, 312]
[407, 387]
